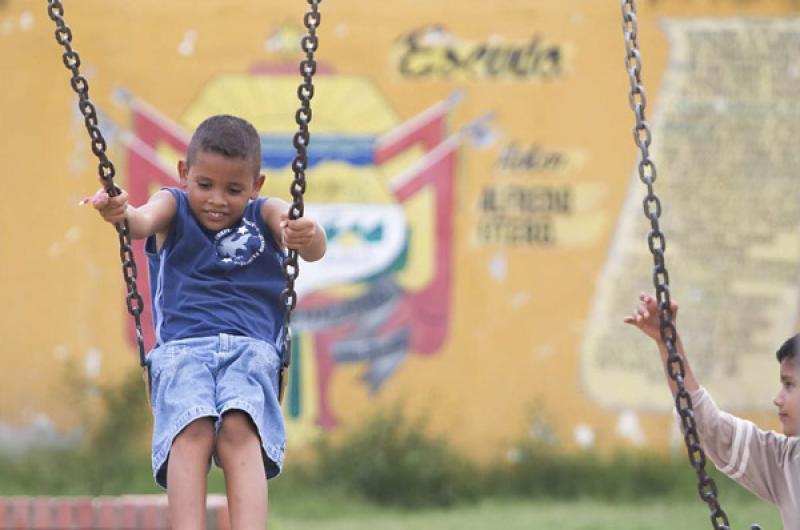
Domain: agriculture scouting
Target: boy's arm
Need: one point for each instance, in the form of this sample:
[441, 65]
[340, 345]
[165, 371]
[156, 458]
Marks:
[304, 235]
[645, 317]
[756, 459]
[151, 218]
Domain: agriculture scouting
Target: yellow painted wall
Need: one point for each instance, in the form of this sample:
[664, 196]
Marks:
[517, 343]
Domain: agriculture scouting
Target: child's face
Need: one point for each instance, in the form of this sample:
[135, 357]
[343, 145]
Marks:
[788, 397]
[219, 188]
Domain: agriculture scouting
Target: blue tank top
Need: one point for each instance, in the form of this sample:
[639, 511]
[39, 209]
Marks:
[203, 283]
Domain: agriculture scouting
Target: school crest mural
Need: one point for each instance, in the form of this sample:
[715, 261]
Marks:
[382, 189]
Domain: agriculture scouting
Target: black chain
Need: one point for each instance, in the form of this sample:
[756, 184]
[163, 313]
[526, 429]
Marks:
[105, 168]
[305, 92]
[657, 243]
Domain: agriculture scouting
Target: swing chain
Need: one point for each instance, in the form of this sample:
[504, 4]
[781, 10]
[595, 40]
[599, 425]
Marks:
[305, 92]
[656, 240]
[105, 168]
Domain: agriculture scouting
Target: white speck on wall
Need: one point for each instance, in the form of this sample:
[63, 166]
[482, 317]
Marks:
[514, 455]
[520, 299]
[629, 428]
[73, 235]
[92, 269]
[60, 352]
[541, 431]
[55, 250]
[187, 45]
[498, 267]
[720, 105]
[584, 436]
[481, 133]
[793, 71]
[26, 21]
[436, 36]
[92, 363]
[278, 41]
[342, 30]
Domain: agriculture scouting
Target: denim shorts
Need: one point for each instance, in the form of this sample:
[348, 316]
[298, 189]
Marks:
[208, 376]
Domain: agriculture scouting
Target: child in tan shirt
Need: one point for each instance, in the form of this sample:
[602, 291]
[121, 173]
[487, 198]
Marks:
[765, 462]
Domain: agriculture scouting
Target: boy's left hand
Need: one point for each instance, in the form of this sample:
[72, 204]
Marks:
[297, 233]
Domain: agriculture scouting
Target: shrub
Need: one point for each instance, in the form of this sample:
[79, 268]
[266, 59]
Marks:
[110, 458]
[539, 470]
[392, 461]
[116, 450]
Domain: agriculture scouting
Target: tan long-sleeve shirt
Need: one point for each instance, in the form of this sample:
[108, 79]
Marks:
[765, 462]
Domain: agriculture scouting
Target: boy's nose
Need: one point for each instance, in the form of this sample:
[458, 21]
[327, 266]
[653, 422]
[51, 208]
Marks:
[217, 198]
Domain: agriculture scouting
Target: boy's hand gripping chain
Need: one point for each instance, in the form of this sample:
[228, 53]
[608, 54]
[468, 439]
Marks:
[657, 243]
[305, 92]
[105, 170]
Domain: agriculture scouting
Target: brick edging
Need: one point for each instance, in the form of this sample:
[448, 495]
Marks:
[127, 512]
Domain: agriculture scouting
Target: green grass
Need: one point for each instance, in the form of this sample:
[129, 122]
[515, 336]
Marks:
[520, 515]
[296, 504]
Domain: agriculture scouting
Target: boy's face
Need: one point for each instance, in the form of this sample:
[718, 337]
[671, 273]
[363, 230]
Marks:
[788, 397]
[219, 188]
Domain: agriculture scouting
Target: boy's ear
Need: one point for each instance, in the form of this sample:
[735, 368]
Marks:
[183, 173]
[257, 187]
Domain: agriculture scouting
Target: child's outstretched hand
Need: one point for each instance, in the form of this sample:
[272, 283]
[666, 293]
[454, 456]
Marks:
[645, 316]
[297, 233]
[111, 209]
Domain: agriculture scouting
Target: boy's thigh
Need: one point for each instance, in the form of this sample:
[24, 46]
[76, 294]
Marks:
[249, 378]
[182, 379]
[248, 382]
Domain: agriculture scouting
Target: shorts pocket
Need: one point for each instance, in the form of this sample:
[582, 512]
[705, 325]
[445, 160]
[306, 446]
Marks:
[165, 358]
[265, 357]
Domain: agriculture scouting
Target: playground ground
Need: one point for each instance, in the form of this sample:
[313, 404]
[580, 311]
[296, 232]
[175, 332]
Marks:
[650, 514]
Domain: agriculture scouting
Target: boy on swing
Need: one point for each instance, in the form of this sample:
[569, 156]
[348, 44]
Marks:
[765, 462]
[215, 251]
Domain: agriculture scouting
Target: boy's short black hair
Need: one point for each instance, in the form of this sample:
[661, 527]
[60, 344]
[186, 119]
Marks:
[788, 350]
[229, 136]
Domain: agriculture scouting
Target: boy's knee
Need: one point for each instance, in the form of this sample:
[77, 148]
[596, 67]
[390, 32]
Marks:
[236, 429]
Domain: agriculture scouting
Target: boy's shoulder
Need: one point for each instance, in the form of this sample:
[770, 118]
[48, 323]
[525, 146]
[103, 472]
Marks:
[173, 195]
[173, 191]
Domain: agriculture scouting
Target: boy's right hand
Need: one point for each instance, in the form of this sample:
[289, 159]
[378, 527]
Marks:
[111, 209]
[645, 316]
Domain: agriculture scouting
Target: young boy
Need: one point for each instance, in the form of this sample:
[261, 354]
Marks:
[766, 463]
[214, 250]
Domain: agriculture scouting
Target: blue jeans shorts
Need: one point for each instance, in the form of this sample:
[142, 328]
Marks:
[206, 377]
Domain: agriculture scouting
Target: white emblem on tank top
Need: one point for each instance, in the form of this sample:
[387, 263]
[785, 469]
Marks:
[239, 245]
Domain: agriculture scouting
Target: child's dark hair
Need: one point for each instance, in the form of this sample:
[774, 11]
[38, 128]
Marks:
[228, 136]
[788, 350]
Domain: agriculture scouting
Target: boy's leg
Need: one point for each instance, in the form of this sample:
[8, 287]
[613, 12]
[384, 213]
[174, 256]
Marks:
[239, 451]
[187, 471]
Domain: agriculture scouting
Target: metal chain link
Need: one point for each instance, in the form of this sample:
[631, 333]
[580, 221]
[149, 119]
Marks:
[105, 168]
[305, 92]
[657, 243]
